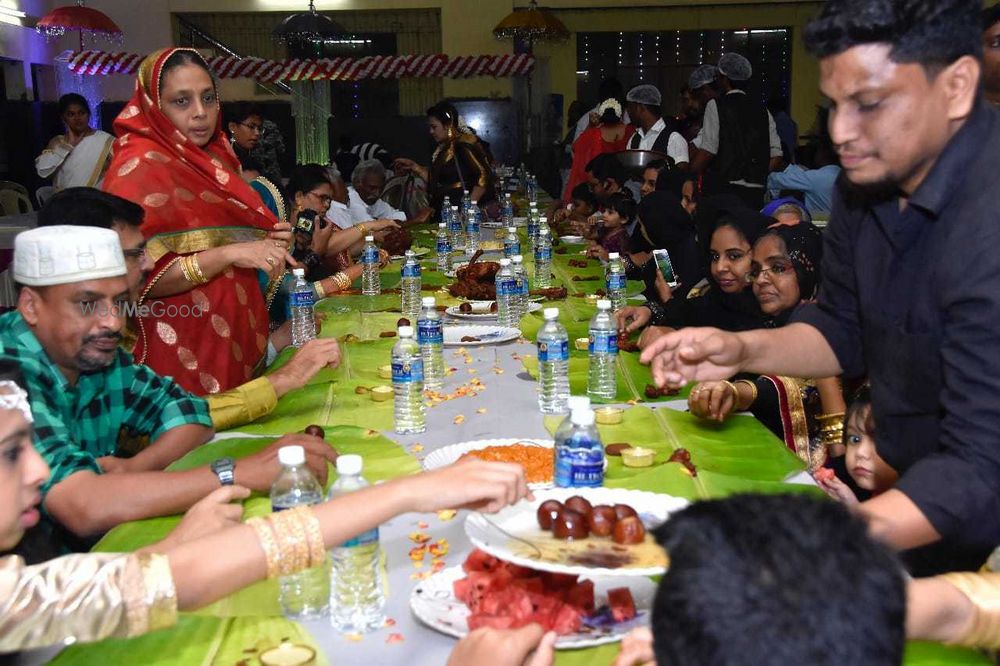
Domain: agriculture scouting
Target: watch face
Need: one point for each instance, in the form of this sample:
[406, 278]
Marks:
[223, 468]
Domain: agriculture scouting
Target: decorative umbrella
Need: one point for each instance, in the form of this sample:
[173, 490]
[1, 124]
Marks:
[80, 19]
[531, 25]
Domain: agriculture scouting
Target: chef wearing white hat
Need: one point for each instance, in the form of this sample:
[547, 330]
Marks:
[738, 144]
[653, 132]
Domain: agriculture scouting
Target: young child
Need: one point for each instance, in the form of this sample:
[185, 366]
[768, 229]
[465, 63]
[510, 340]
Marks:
[866, 467]
[619, 212]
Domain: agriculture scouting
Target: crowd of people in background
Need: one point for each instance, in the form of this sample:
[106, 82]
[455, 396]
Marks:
[867, 348]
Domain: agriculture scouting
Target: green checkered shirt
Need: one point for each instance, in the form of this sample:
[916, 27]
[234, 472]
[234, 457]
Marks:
[76, 425]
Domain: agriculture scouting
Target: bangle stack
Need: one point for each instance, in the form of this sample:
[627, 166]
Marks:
[363, 229]
[191, 270]
[831, 428]
[343, 281]
[736, 393]
[753, 390]
[291, 541]
[319, 289]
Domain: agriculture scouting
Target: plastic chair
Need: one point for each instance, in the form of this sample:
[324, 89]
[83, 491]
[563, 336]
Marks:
[43, 194]
[14, 198]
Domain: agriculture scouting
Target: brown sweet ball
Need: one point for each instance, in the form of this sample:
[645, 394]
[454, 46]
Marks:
[616, 448]
[547, 512]
[625, 511]
[570, 525]
[580, 505]
[602, 520]
[629, 531]
[315, 431]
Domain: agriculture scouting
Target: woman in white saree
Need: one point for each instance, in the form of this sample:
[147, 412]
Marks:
[80, 156]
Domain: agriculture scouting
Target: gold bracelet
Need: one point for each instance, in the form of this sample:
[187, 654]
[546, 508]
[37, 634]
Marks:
[320, 291]
[265, 536]
[343, 280]
[185, 271]
[292, 541]
[196, 269]
[363, 229]
[753, 390]
[314, 536]
[736, 392]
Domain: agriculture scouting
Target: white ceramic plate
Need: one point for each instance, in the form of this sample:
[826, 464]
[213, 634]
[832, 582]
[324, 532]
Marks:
[476, 316]
[573, 240]
[450, 454]
[417, 252]
[434, 603]
[488, 335]
[520, 520]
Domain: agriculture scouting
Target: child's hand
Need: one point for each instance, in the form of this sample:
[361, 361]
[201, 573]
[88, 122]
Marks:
[597, 252]
[836, 489]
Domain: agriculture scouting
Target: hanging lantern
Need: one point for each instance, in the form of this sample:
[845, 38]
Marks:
[308, 27]
[532, 25]
[79, 18]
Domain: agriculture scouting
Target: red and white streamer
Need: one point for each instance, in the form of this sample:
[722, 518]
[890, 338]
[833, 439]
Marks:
[103, 63]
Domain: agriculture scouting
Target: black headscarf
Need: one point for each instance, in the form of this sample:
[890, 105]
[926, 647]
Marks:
[804, 244]
[750, 223]
[665, 225]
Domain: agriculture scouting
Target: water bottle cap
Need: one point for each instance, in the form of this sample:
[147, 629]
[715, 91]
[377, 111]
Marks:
[603, 304]
[511, 230]
[505, 262]
[405, 331]
[428, 301]
[578, 402]
[299, 272]
[551, 313]
[534, 205]
[544, 231]
[581, 417]
[350, 464]
[517, 258]
[442, 225]
[369, 239]
[544, 219]
[475, 203]
[291, 455]
[454, 207]
[409, 254]
[613, 255]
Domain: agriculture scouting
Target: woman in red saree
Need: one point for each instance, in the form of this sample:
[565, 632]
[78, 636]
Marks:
[208, 231]
[611, 136]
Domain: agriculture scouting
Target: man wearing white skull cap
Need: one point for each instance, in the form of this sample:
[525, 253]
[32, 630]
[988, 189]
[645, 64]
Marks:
[738, 144]
[85, 392]
[653, 131]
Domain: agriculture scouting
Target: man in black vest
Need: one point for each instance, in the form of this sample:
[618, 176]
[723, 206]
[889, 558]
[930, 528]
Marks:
[654, 132]
[738, 144]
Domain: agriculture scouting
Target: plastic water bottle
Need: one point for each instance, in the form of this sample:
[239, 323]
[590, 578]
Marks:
[574, 403]
[455, 229]
[511, 243]
[533, 220]
[553, 364]
[303, 318]
[409, 286]
[507, 294]
[302, 596]
[443, 249]
[357, 582]
[507, 213]
[371, 281]
[408, 383]
[430, 337]
[615, 281]
[521, 276]
[472, 230]
[602, 381]
[579, 452]
[532, 188]
[543, 261]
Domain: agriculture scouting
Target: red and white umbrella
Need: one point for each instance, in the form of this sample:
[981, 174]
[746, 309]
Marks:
[82, 19]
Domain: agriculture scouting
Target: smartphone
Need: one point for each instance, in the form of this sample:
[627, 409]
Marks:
[305, 221]
[666, 268]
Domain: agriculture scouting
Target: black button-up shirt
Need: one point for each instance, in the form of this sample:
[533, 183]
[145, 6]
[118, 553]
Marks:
[912, 299]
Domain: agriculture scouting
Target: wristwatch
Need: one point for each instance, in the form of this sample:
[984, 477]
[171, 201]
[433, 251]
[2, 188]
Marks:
[225, 469]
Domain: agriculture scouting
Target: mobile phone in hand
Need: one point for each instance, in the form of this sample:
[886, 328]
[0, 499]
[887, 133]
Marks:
[662, 258]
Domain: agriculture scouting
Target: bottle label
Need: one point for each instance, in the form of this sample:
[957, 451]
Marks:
[363, 539]
[302, 299]
[522, 286]
[411, 269]
[369, 255]
[507, 287]
[454, 224]
[408, 372]
[579, 467]
[543, 253]
[553, 351]
[532, 228]
[603, 342]
[510, 248]
[429, 331]
[443, 246]
[616, 281]
[473, 227]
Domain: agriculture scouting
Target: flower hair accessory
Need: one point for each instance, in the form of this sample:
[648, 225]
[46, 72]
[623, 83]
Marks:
[13, 396]
[610, 103]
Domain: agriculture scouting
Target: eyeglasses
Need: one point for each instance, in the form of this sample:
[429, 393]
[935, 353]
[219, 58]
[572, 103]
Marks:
[259, 129]
[775, 270]
[135, 253]
[325, 199]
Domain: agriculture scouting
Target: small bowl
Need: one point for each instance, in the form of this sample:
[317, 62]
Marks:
[288, 654]
[582, 344]
[609, 415]
[381, 393]
[638, 456]
[385, 371]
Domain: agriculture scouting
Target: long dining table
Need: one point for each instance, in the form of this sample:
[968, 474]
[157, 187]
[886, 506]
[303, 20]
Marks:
[490, 392]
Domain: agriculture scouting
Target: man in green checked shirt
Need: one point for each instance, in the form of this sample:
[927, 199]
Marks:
[84, 390]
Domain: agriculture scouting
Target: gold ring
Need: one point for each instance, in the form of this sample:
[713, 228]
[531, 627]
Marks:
[279, 244]
[270, 260]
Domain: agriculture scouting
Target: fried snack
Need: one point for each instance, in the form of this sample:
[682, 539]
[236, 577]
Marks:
[470, 338]
[551, 293]
[537, 461]
[397, 242]
[578, 263]
[476, 281]
[387, 334]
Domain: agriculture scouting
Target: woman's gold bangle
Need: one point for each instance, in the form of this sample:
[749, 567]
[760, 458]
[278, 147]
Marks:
[196, 269]
[314, 536]
[319, 289]
[752, 387]
[343, 281]
[363, 229]
[265, 536]
[185, 271]
[736, 392]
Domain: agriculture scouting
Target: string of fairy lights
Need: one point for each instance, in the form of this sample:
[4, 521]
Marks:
[635, 57]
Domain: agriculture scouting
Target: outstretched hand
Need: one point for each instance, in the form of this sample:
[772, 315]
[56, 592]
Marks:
[691, 354]
[469, 484]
